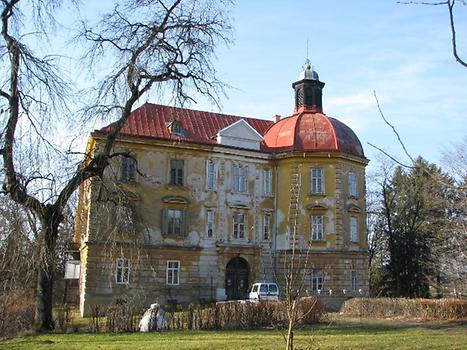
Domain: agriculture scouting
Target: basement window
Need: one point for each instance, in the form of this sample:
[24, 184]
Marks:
[317, 279]
[173, 273]
[122, 267]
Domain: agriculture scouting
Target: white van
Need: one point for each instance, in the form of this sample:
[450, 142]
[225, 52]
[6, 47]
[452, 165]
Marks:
[264, 292]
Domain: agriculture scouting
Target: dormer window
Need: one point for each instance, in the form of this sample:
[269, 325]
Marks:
[175, 127]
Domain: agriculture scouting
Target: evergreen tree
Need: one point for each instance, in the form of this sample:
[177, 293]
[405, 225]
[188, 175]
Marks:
[413, 218]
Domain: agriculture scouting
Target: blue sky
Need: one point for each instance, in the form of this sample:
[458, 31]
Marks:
[402, 52]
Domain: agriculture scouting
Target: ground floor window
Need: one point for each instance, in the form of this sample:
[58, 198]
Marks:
[354, 281]
[173, 273]
[122, 266]
[317, 279]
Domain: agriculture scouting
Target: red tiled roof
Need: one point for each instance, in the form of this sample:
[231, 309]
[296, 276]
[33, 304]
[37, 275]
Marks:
[151, 120]
[308, 130]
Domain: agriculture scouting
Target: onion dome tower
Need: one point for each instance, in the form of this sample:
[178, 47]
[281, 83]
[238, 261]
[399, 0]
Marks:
[308, 129]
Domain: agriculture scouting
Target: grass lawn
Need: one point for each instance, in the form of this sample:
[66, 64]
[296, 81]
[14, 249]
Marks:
[340, 334]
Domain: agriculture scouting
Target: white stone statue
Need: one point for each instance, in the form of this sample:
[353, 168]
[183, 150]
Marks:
[153, 319]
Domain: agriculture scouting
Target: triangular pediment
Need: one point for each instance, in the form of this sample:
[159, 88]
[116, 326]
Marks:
[240, 134]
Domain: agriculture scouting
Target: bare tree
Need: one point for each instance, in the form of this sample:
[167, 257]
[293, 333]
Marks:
[150, 44]
[454, 262]
[292, 266]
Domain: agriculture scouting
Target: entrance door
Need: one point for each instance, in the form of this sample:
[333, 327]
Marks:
[236, 279]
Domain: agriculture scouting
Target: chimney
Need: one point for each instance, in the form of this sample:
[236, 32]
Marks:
[277, 117]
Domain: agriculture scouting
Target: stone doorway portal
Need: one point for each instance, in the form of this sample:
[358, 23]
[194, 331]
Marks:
[236, 279]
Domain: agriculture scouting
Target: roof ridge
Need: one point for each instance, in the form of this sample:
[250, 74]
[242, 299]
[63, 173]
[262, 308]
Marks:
[202, 111]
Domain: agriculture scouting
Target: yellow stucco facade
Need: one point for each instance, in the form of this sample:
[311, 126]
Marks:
[198, 206]
[203, 257]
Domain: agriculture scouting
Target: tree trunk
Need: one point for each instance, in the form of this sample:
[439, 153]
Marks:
[45, 279]
[290, 336]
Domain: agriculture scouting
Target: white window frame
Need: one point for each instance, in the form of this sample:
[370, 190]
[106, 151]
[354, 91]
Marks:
[353, 228]
[353, 184]
[267, 182]
[354, 280]
[211, 175]
[210, 223]
[122, 270]
[239, 178]
[317, 227]
[317, 280]
[172, 277]
[317, 180]
[266, 231]
[238, 226]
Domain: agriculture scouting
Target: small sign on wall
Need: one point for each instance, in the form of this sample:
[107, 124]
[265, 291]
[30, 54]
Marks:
[72, 269]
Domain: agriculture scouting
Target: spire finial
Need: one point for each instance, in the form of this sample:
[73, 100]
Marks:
[307, 61]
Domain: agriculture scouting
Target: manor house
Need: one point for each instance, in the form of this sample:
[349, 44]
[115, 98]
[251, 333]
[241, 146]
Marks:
[199, 205]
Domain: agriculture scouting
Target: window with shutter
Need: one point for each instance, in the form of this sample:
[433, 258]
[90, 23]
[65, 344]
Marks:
[353, 189]
[127, 169]
[267, 182]
[239, 178]
[174, 222]
[211, 177]
[353, 223]
[176, 172]
[126, 219]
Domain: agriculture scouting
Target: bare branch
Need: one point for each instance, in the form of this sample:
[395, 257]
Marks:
[422, 3]
[453, 33]
[389, 156]
[450, 5]
[392, 127]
